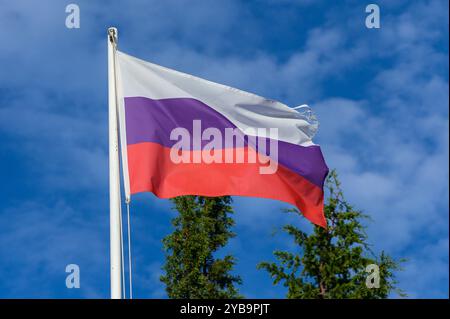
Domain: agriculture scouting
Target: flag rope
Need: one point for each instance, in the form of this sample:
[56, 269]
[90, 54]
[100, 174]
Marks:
[122, 257]
[129, 249]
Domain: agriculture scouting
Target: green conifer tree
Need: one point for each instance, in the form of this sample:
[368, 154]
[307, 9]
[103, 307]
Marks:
[191, 269]
[332, 262]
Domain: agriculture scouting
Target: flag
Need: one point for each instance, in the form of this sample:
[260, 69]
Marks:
[183, 135]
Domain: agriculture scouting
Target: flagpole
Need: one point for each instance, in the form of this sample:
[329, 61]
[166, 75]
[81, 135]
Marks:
[114, 174]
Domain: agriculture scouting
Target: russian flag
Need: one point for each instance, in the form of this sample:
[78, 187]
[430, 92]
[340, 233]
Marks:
[174, 128]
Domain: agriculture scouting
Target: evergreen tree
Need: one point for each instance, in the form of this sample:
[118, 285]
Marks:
[201, 228]
[332, 262]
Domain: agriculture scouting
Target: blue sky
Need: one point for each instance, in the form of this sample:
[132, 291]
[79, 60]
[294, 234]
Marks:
[381, 96]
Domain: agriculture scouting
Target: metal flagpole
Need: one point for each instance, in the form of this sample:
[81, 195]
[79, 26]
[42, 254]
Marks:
[114, 174]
